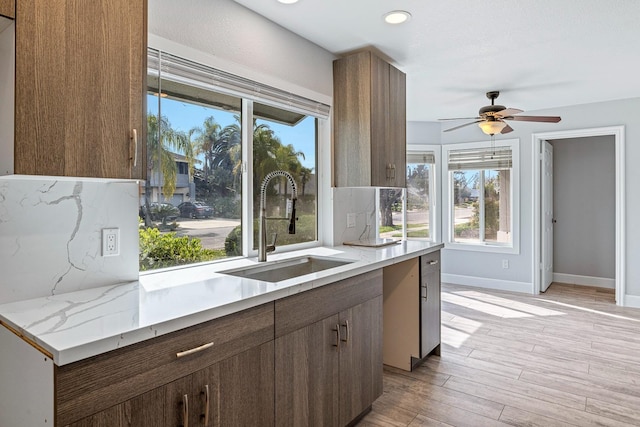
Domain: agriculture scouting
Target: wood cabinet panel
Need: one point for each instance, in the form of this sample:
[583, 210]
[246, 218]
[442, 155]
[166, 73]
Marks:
[146, 410]
[330, 371]
[247, 388]
[360, 358]
[97, 383]
[302, 309]
[379, 124]
[307, 376]
[80, 85]
[369, 122]
[8, 8]
[395, 149]
[401, 285]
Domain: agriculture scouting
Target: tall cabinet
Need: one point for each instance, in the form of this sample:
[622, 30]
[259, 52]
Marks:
[369, 129]
[8, 8]
[80, 88]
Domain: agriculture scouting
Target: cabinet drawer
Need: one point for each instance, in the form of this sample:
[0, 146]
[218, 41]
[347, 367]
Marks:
[300, 310]
[91, 385]
[429, 263]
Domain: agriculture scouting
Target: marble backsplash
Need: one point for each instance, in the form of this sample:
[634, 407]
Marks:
[360, 202]
[51, 234]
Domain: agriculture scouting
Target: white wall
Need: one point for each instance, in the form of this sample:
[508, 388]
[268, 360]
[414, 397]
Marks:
[612, 113]
[244, 43]
[423, 133]
[584, 201]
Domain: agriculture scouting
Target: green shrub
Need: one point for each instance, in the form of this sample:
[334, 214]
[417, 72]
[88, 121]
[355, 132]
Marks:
[159, 250]
[233, 242]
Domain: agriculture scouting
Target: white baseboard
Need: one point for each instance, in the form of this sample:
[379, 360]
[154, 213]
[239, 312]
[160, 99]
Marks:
[482, 282]
[632, 301]
[574, 279]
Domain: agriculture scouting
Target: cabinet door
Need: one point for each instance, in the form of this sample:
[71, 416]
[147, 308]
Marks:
[80, 87]
[430, 304]
[396, 146]
[307, 375]
[146, 410]
[360, 358]
[379, 122]
[247, 389]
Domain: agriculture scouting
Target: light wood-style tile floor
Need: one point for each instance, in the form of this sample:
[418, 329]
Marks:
[569, 357]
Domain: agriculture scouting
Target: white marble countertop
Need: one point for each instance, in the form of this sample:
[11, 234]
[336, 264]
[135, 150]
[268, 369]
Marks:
[81, 324]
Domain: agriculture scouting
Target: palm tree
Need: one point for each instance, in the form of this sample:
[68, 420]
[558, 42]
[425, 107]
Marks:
[161, 139]
[221, 148]
[287, 159]
[305, 176]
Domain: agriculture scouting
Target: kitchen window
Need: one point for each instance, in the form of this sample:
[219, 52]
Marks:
[482, 196]
[212, 138]
[421, 194]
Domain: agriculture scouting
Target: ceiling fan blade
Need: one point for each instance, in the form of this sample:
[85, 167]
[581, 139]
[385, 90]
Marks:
[507, 129]
[507, 112]
[463, 118]
[461, 126]
[545, 119]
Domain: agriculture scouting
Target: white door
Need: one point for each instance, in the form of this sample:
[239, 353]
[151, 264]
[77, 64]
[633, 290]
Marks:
[547, 216]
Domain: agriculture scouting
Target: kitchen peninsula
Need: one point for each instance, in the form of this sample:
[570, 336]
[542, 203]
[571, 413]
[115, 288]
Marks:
[209, 341]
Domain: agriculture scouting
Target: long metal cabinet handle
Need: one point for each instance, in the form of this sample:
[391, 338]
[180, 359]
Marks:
[194, 350]
[185, 411]
[337, 331]
[206, 405]
[134, 135]
[434, 262]
[346, 326]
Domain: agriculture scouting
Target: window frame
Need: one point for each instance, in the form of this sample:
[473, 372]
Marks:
[279, 98]
[435, 231]
[449, 209]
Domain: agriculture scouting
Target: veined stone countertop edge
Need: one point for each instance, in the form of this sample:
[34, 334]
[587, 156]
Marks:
[81, 324]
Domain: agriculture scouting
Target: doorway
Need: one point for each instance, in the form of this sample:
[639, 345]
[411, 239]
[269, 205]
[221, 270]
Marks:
[541, 214]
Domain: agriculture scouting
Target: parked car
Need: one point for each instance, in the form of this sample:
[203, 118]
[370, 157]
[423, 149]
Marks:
[161, 212]
[195, 210]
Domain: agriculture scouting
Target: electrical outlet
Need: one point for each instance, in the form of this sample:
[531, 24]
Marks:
[351, 220]
[505, 263]
[110, 241]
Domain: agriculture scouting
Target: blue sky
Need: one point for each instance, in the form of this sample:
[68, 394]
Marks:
[184, 116]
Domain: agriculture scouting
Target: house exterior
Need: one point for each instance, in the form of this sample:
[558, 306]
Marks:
[185, 187]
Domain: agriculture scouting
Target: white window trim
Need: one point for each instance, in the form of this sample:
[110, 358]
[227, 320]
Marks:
[323, 140]
[434, 190]
[448, 211]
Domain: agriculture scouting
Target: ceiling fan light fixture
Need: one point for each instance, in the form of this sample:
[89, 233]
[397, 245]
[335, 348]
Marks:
[492, 127]
[397, 17]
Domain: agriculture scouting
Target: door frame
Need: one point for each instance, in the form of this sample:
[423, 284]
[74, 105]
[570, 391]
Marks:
[618, 132]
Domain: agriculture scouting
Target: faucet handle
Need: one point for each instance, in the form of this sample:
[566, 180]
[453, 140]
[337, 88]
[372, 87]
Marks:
[272, 246]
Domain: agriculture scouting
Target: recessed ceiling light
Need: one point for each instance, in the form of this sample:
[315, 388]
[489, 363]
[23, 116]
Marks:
[397, 17]
[288, 1]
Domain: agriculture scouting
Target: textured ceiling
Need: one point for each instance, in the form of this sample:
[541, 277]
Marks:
[540, 54]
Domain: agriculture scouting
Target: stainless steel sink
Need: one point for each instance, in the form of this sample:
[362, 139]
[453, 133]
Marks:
[276, 271]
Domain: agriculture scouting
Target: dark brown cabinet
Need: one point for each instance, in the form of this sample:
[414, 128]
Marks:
[81, 88]
[235, 392]
[329, 352]
[369, 129]
[228, 383]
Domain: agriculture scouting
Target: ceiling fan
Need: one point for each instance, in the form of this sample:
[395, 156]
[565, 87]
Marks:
[491, 118]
